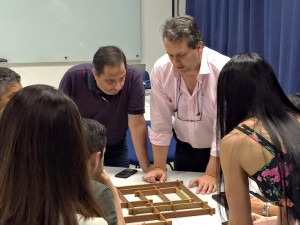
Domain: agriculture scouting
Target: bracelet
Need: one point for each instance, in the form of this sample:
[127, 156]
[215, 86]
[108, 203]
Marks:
[266, 208]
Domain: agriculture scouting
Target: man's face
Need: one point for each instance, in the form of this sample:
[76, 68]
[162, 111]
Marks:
[111, 81]
[7, 95]
[184, 58]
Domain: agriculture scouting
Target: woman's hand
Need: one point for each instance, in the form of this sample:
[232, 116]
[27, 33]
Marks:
[262, 220]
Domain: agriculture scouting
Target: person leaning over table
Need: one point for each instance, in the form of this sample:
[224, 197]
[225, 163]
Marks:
[259, 130]
[10, 83]
[183, 88]
[112, 93]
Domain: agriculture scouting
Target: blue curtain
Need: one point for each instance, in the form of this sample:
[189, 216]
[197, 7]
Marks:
[268, 27]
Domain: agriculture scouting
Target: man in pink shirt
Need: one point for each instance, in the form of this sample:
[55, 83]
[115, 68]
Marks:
[183, 102]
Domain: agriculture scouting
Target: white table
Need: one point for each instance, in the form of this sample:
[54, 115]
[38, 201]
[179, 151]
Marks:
[173, 176]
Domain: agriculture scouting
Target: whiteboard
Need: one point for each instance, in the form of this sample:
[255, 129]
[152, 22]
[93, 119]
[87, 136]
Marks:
[68, 30]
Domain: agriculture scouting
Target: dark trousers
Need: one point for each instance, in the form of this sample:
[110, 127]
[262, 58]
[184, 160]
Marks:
[117, 155]
[191, 159]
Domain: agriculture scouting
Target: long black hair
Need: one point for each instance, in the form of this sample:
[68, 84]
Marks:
[247, 87]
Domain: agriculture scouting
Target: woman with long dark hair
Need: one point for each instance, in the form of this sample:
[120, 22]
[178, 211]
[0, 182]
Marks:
[259, 131]
[44, 162]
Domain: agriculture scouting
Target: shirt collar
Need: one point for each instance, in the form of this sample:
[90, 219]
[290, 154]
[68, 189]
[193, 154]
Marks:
[204, 68]
[91, 82]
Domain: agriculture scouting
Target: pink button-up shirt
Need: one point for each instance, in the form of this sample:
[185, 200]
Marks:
[170, 99]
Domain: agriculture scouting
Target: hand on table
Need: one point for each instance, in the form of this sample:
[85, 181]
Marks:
[155, 174]
[262, 220]
[206, 184]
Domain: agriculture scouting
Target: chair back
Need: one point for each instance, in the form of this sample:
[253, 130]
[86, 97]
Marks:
[131, 151]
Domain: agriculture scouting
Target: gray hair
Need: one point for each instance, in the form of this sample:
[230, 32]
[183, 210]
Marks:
[181, 27]
[7, 78]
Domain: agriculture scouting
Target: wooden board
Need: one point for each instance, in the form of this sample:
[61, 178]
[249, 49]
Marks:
[157, 203]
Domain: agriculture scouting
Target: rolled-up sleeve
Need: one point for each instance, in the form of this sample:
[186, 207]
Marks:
[161, 107]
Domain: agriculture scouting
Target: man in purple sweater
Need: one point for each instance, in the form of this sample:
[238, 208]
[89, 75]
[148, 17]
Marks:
[111, 92]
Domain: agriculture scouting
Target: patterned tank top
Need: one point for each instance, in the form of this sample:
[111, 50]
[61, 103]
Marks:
[273, 174]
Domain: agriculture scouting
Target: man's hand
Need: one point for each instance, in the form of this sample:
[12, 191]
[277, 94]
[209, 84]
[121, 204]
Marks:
[155, 174]
[206, 184]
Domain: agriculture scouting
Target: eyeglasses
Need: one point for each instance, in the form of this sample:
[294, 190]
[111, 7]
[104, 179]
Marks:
[198, 114]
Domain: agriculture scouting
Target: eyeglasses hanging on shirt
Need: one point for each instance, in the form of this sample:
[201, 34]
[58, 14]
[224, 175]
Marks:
[198, 111]
[103, 96]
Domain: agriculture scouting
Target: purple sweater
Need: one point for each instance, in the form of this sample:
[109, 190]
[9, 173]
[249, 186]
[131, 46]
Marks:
[78, 83]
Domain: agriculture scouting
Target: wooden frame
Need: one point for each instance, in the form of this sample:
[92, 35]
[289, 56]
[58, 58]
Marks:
[145, 209]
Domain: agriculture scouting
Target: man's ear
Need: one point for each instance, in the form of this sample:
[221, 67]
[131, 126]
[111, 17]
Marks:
[200, 45]
[94, 161]
[94, 72]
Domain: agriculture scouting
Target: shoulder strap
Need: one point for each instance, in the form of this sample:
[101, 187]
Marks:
[257, 137]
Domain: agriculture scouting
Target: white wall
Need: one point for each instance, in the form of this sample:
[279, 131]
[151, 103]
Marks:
[153, 15]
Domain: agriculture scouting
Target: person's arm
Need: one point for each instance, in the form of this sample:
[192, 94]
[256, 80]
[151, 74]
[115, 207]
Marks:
[121, 220]
[105, 179]
[257, 206]
[160, 156]
[207, 183]
[137, 127]
[236, 181]
[262, 220]
[161, 112]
